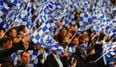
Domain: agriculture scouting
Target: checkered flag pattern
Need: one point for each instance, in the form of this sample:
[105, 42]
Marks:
[97, 15]
[3, 13]
[49, 9]
[87, 21]
[110, 49]
[37, 35]
[69, 19]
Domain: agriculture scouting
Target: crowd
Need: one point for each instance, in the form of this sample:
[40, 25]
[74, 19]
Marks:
[81, 51]
[80, 46]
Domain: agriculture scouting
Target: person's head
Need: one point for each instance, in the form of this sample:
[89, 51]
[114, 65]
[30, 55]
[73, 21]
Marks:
[26, 37]
[59, 23]
[12, 33]
[25, 57]
[80, 37]
[41, 49]
[63, 31]
[67, 39]
[6, 42]
[75, 41]
[69, 34]
[100, 35]
[2, 32]
[22, 30]
[7, 64]
[25, 40]
[73, 29]
[85, 36]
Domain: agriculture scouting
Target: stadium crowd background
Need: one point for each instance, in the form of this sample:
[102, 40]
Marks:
[55, 33]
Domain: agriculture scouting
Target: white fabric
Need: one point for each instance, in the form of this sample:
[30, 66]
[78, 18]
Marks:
[58, 60]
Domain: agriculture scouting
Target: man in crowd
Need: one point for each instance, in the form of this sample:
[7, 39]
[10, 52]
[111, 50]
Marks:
[24, 60]
[53, 60]
[6, 43]
[7, 49]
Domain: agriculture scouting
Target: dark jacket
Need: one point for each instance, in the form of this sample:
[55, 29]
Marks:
[66, 62]
[5, 54]
[20, 64]
[40, 64]
[99, 49]
[50, 61]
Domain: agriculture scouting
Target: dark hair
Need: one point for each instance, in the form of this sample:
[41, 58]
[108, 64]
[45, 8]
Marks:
[4, 40]
[23, 52]
[113, 2]
[9, 31]
[21, 27]
[101, 37]
[7, 64]
[90, 47]
[2, 29]
[114, 63]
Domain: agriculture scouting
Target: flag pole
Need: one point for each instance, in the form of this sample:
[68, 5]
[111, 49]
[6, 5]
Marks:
[100, 57]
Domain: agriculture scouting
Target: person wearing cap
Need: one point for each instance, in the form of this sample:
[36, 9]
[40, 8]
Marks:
[53, 60]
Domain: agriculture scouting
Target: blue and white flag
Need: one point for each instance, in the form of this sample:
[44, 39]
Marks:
[4, 8]
[47, 40]
[37, 35]
[50, 9]
[87, 21]
[69, 19]
[43, 37]
[110, 51]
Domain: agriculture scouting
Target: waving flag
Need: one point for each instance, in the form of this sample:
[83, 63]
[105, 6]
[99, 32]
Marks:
[50, 9]
[24, 14]
[4, 8]
[43, 36]
[69, 19]
[37, 35]
[110, 30]
[47, 40]
[110, 51]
